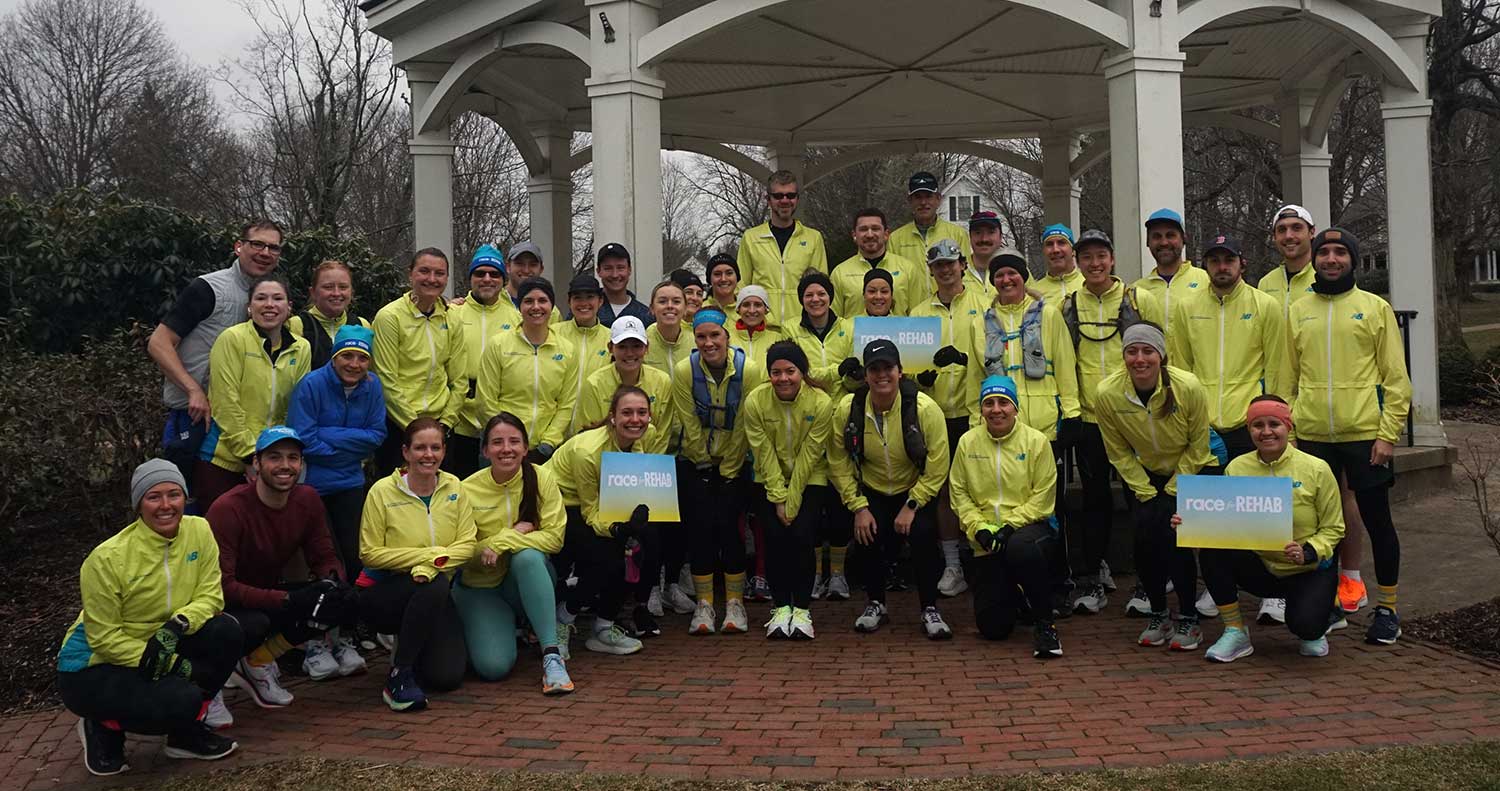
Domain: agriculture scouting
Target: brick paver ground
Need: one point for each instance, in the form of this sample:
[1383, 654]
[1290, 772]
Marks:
[859, 706]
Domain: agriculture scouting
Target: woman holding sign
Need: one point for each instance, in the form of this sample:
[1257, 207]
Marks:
[1305, 571]
[1153, 419]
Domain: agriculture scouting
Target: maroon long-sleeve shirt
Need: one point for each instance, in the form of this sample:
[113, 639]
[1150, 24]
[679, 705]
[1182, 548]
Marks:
[256, 542]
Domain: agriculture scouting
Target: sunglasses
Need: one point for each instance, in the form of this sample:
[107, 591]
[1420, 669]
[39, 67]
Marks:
[783, 196]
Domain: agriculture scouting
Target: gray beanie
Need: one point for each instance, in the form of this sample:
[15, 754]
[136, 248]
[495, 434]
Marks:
[150, 474]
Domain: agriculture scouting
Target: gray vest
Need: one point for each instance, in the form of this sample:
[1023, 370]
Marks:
[231, 296]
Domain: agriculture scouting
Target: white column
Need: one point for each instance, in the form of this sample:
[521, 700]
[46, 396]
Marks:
[551, 194]
[1060, 192]
[432, 172]
[626, 106]
[1304, 165]
[788, 157]
[1145, 138]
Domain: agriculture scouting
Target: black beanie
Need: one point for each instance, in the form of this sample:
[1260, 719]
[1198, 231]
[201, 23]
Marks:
[724, 259]
[536, 283]
[789, 351]
[1009, 258]
[876, 273]
[814, 278]
[1350, 243]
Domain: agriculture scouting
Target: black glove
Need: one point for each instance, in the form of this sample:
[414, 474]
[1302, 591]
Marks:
[949, 355]
[707, 473]
[851, 369]
[160, 656]
[300, 602]
[993, 540]
[337, 607]
[1068, 431]
[927, 378]
[540, 454]
[640, 516]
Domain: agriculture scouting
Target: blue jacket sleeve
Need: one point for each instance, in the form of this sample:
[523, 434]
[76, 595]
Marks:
[302, 416]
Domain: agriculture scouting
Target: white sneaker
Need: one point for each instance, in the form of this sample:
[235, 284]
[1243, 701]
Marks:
[801, 628]
[1272, 610]
[1139, 605]
[703, 619]
[1205, 605]
[261, 683]
[820, 587]
[780, 625]
[218, 715]
[1093, 600]
[387, 641]
[612, 641]
[653, 602]
[1105, 578]
[838, 588]
[952, 582]
[685, 579]
[319, 663]
[934, 626]
[350, 662]
[678, 599]
[871, 619]
[735, 619]
[565, 632]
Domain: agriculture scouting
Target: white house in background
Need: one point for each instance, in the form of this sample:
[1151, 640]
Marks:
[962, 197]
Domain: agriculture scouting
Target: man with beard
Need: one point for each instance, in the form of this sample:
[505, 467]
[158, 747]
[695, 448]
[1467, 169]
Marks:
[1173, 278]
[872, 238]
[777, 253]
[985, 237]
[1292, 230]
[486, 313]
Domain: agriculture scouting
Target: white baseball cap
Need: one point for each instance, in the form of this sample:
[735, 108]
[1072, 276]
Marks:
[625, 328]
[1292, 210]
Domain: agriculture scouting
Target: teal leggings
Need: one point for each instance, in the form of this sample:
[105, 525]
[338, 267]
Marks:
[489, 614]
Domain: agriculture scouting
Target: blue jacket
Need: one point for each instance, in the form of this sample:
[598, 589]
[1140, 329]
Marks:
[339, 431]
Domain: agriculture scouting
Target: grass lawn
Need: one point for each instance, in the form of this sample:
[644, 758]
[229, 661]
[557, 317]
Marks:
[1467, 766]
[1483, 309]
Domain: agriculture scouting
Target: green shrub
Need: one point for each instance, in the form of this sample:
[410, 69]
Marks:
[1457, 374]
[1375, 281]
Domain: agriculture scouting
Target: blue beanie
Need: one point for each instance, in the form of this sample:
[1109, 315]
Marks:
[356, 338]
[488, 255]
[1003, 386]
[1057, 229]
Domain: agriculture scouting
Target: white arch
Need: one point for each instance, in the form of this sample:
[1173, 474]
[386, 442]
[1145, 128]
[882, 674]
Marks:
[1099, 148]
[823, 168]
[711, 17]
[479, 55]
[1371, 39]
[697, 145]
[1321, 117]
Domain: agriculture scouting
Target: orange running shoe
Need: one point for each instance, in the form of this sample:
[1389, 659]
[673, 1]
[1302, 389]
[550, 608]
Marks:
[1352, 594]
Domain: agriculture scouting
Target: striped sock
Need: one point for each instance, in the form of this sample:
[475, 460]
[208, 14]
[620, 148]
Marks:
[1229, 614]
[836, 560]
[269, 651]
[703, 585]
[734, 586]
[1386, 597]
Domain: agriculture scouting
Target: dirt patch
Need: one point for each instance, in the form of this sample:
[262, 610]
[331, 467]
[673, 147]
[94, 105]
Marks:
[1489, 414]
[1475, 629]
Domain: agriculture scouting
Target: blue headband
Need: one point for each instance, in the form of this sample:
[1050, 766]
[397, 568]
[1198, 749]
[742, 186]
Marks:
[1057, 229]
[709, 316]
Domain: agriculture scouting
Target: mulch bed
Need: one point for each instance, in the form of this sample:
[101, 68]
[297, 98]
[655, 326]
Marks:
[1475, 629]
[1473, 413]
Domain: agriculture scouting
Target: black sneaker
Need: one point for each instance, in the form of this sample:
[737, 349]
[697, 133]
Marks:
[645, 623]
[1385, 629]
[1047, 645]
[200, 742]
[103, 748]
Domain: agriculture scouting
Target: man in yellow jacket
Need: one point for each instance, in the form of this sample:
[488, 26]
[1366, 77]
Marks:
[985, 239]
[1172, 278]
[1351, 400]
[486, 313]
[1232, 337]
[910, 241]
[778, 252]
[888, 458]
[872, 236]
[1292, 230]
[1063, 275]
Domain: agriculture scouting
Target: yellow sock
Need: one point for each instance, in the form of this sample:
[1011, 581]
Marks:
[836, 560]
[822, 557]
[1229, 614]
[1386, 597]
[704, 586]
[269, 651]
[734, 586]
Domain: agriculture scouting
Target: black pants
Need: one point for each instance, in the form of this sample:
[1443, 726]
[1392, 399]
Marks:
[1158, 558]
[1237, 442]
[260, 625]
[170, 705]
[1028, 563]
[344, 510]
[430, 636]
[599, 564]
[790, 563]
[714, 541]
[1061, 563]
[1092, 530]
[1309, 596]
[1371, 486]
[462, 456]
[388, 455]
[874, 559]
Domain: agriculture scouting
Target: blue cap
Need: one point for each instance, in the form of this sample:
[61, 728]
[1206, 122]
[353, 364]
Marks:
[1166, 215]
[998, 386]
[275, 434]
[1057, 229]
[353, 336]
[488, 255]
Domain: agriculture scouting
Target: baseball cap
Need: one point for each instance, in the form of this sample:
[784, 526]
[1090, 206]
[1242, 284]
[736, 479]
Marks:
[585, 283]
[997, 385]
[1222, 242]
[1292, 210]
[1166, 215]
[276, 434]
[921, 181]
[626, 328]
[984, 218]
[1057, 229]
[881, 350]
[525, 247]
[613, 250]
[353, 338]
[944, 250]
[1092, 236]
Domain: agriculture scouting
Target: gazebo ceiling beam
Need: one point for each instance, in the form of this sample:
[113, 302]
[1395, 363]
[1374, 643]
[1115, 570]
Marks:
[821, 169]
[840, 103]
[835, 43]
[696, 145]
[962, 34]
[457, 24]
[987, 98]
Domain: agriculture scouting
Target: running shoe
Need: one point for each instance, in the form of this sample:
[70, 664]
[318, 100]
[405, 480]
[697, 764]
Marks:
[653, 602]
[1188, 636]
[1158, 630]
[200, 742]
[261, 682]
[555, 679]
[1139, 605]
[1205, 605]
[1336, 620]
[103, 748]
[217, 715]
[1105, 578]
[820, 587]
[1233, 644]
[1093, 600]
[612, 641]
[735, 619]
[871, 619]
[838, 588]
[1352, 594]
[1046, 644]
[1061, 606]
[386, 641]
[645, 625]
[780, 625]
[934, 626]
[1385, 628]
[685, 579]
[401, 692]
[318, 662]
[760, 589]
[350, 662]
[703, 619]
[1318, 647]
[952, 582]
[801, 626]
[1272, 611]
[679, 600]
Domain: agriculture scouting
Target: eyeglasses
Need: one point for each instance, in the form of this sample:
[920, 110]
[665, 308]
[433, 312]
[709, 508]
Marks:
[486, 272]
[261, 247]
[783, 196]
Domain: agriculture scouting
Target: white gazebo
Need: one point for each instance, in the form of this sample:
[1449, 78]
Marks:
[884, 77]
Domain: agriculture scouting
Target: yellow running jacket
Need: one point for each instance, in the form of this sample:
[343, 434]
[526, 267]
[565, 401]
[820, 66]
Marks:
[909, 279]
[1235, 345]
[534, 383]
[589, 346]
[1351, 382]
[421, 362]
[1138, 439]
[712, 443]
[788, 441]
[481, 323]
[249, 391]
[1188, 280]
[761, 262]
[1099, 359]
[887, 469]
[601, 385]
[1047, 401]
[497, 508]
[400, 533]
[1275, 283]
[1317, 510]
[1011, 480]
[956, 390]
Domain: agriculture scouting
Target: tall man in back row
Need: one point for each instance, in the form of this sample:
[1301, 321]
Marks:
[778, 252]
[912, 240]
[1173, 278]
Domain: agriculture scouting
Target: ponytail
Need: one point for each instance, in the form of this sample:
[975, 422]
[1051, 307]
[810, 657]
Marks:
[530, 510]
[1169, 402]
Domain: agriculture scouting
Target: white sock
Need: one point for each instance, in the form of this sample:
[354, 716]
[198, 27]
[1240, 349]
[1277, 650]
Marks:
[1352, 574]
[950, 553]
[563, 616]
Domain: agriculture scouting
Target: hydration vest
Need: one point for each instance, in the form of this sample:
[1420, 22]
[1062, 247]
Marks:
[1033, 352]
[911, 428]
[1130, 313]
[703, 402]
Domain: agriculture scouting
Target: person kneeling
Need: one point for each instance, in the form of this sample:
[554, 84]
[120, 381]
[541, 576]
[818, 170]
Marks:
[1003, 488]
[150, 650]
[1305, 571]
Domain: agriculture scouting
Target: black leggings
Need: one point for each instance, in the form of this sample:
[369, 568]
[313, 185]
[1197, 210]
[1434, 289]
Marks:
[599, 564]
[1061, 563]
[344, 509]
[1027, 562]
[1309, 596]
[1091, 531]
[1375, 509]
[714, 541]
[1158, 558]
[790, 563]
[874, 560]
[170, 705]
[430, 636]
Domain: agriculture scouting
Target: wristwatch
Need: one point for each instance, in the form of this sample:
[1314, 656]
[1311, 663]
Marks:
[911, 502]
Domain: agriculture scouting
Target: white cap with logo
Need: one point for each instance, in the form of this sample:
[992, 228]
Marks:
[625, 328]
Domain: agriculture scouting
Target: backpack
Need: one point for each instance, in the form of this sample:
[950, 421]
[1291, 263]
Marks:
[317, 338]
[1130, 313]
[911, 428]
[703, 402]
[1033, 353]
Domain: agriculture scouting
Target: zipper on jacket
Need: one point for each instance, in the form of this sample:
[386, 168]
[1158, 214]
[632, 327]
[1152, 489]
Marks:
[536, 382]
[999, 480]
[1332, 436]
[1219, 409]
[166, 566]
[431, 363]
